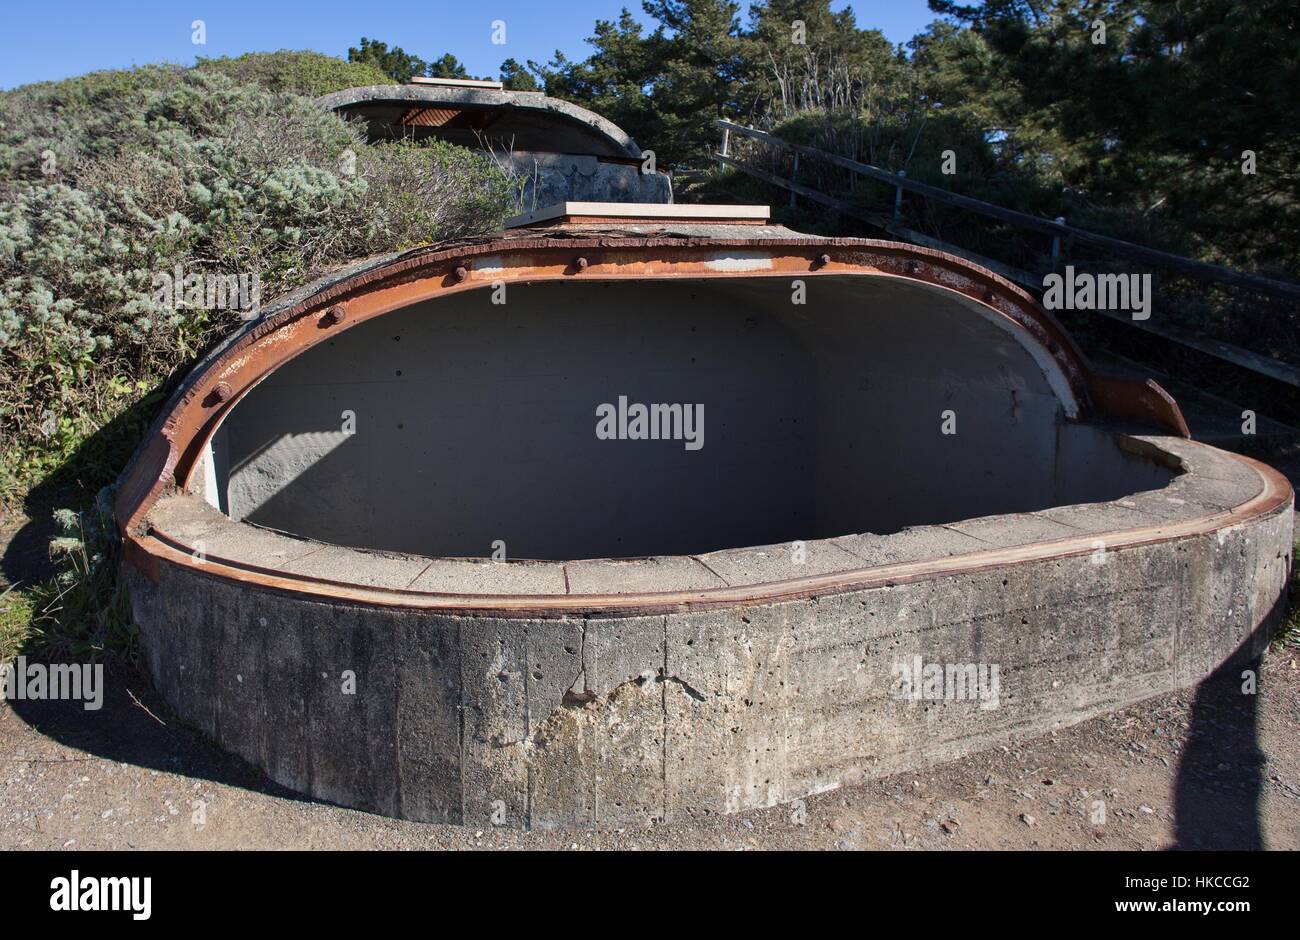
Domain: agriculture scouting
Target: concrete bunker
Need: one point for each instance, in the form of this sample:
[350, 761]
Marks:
[456, 423]
[560, 150]
[737, 655]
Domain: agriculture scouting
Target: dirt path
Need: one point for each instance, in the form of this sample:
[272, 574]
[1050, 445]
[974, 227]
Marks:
[1208, 768]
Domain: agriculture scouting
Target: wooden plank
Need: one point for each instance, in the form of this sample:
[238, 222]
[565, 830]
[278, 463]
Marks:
[1251, 361]
[1024, 220]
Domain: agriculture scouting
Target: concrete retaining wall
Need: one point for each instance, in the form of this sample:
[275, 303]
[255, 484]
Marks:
[625, 720]
[550, 178]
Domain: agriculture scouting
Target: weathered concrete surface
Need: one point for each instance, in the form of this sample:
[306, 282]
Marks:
[667, 251]
[623, 691]
[622, 720]
[550, 178]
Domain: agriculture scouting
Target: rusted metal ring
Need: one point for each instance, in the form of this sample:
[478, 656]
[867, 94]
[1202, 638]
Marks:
[244, 360]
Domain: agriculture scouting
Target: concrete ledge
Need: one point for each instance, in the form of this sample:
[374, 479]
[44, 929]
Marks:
[723, 699]
[1209, 482]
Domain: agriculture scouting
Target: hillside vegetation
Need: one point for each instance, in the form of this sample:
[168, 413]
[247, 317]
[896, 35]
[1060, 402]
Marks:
[116, 184]
[112, 180]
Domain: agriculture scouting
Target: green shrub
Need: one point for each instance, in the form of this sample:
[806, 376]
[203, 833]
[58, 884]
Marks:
[300, 73]
[108, 181]
[15, 622]
[84, 612]
[111, 180]
[78, 117]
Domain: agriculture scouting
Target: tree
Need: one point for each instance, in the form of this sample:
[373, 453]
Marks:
[446, 67]
[395, 63]
[401, 66]
[804, 56]
[702, 63]
[1158, 114]
[665, 88]
[516, 77]
[615, 81]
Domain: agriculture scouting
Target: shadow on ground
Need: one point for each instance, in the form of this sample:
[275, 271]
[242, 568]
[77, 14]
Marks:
[1220, 780]
[135, 727]
[1221, 777]
[95, 463]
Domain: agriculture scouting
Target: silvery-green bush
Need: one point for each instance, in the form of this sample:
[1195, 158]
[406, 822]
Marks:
[112, 178]
[303, 73]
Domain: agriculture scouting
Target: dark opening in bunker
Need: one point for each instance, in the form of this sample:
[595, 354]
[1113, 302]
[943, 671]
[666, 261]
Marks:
[459, 424]
[482, 126]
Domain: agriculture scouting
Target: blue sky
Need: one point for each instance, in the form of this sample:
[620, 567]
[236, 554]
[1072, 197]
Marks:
[43, 41]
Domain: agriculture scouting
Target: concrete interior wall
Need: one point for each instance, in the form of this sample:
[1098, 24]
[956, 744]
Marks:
[476, 422]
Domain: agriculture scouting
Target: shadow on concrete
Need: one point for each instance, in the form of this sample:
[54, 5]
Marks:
[1217, 788]
[135, 727]
[1218, 785]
